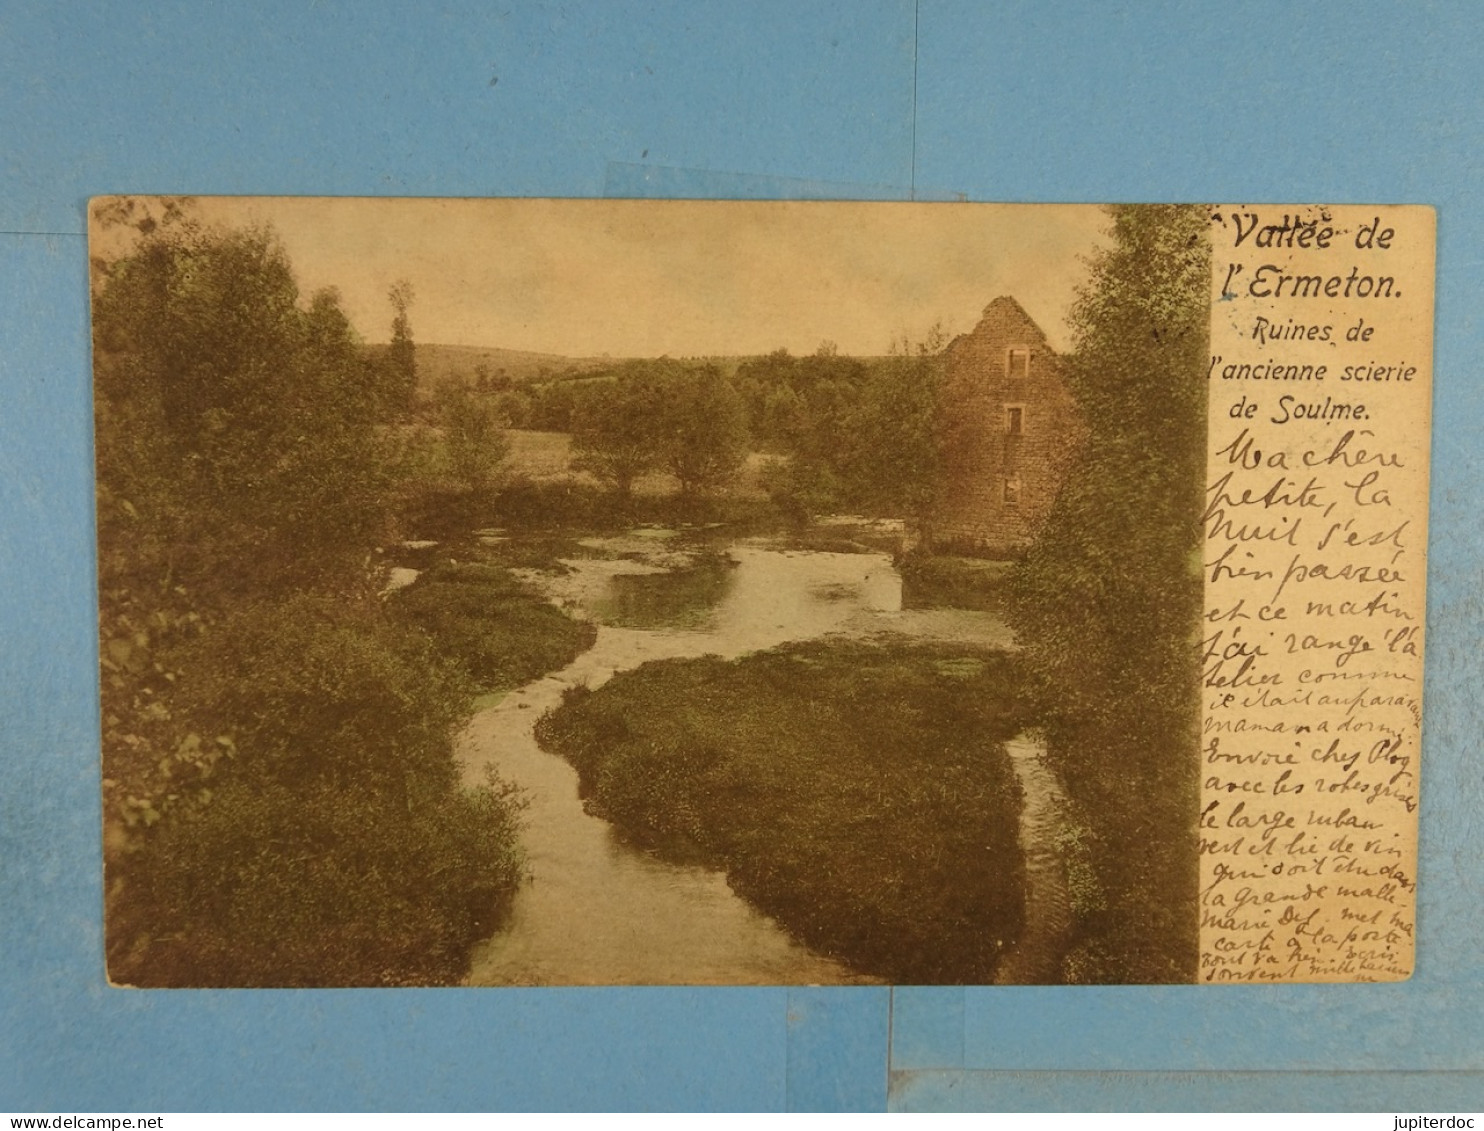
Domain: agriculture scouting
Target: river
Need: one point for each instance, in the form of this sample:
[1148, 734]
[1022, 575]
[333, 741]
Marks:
[599, 910]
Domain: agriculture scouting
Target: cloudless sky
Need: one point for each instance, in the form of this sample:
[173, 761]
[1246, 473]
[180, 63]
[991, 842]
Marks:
[686, 278]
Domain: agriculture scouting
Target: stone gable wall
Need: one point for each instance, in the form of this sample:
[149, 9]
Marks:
[981, 454]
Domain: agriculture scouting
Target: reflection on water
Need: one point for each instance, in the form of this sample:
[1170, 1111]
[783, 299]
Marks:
[684, 597]
[599, 910]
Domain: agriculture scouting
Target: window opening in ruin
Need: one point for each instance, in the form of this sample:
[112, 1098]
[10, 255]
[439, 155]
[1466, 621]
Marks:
[1014, 420]
[1018, 363]
[1012, 491]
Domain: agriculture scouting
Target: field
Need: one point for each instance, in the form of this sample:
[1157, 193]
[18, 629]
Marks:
[547, 457]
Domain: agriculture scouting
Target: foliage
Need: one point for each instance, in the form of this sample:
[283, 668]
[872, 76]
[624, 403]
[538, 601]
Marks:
[527, 504]
[236, 430]
[860, 436]
[152, 764]
[316, 886]
[338, 848]
[894, 460]
[239, 459]
[513, 408]
[685, 419]
[316, 690]
[1107, 601]
[803, 486]
[798, 404]
[856, 435]
[703, 429]
[401, 355]
[616, 427]
[494, 627]
[859, 793]
[931, 581]
[281, 801]
[552, 405]
[474, 443]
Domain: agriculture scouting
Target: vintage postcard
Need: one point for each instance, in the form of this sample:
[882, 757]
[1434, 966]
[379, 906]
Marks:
[574, 592]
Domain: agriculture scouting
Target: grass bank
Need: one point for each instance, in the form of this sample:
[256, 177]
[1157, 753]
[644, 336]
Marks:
[498, 629]
[941, 581]
[859, 793]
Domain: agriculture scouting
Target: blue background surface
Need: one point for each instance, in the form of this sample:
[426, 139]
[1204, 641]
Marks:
[1011, 101]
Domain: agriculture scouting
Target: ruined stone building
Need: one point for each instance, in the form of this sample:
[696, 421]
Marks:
[1011, 432]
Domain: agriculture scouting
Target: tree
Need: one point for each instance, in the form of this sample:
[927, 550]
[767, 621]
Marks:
[474, 442]
[782, 417]
[660, 413]
[552, 406]
[513, 408]
[1107, 602]
[892, 462]
[616, 426]
[336, 847]
[402, 353]
[239, 459]
[281, 801]
[866, 437]
[774, 407]
[237, 431]
[703, 430]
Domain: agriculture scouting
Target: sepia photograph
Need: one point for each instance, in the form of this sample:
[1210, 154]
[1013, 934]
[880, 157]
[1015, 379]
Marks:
[533, 592]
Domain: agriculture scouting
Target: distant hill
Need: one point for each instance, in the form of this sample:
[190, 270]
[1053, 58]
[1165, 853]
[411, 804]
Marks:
[435, 362]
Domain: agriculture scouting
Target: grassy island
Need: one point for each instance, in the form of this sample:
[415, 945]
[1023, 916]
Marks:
[858, 792]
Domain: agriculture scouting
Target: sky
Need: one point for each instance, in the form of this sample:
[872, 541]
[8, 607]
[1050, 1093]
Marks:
[643, 278]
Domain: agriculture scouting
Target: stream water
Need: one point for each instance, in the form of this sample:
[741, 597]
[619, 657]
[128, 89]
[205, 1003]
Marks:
[1036, 958]
[599, 910]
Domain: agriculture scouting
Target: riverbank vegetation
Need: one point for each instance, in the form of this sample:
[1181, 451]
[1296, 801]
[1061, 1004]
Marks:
[282, 805]
[500, 631]
[942, 581]
[1107, 601]
[858, 792]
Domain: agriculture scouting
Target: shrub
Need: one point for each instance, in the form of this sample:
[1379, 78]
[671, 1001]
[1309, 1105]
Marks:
[336, 846]
[271, 885]
[314, 690]
[529, 504]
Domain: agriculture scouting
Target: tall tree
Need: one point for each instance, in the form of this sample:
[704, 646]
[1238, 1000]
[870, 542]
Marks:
[474, 442]
[238, 459]
[616, 426]
[891, 461]
[1107, 602]
[703, 434]
[402, 353]
[236, 429]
